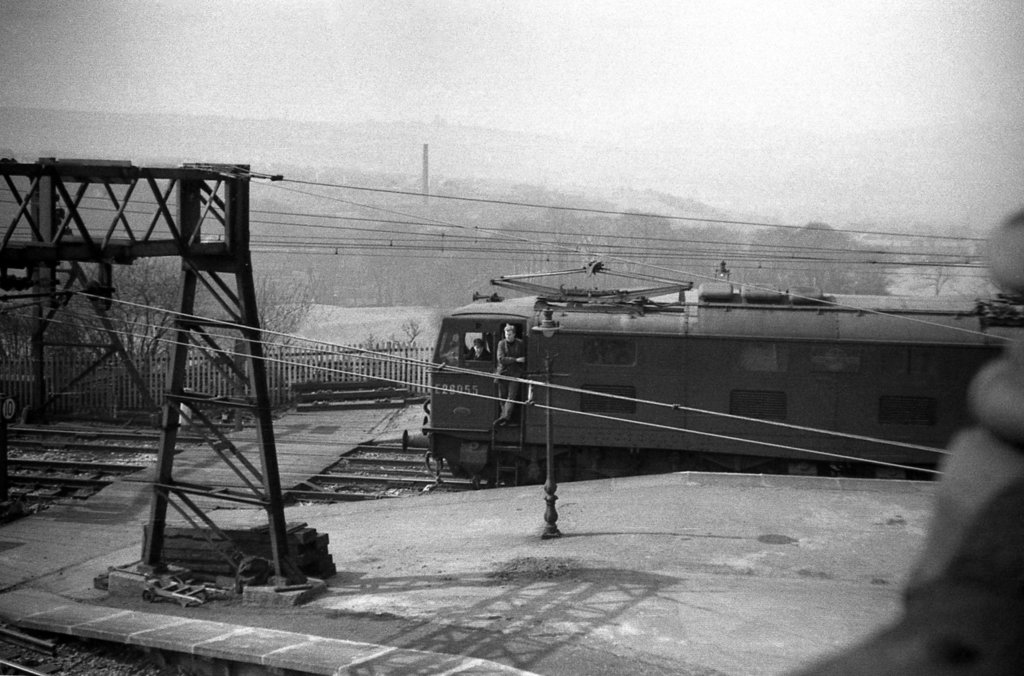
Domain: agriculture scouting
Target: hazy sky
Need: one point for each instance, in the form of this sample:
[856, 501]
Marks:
[590, 66]
[627, 71]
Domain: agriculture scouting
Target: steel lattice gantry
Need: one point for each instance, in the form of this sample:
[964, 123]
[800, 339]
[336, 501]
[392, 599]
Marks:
[71, 213]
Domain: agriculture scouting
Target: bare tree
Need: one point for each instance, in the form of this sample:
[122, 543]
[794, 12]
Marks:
[412, 329]
[149, 293]
[283, 306]
[956, 270]
[15, 329]
[815, 255]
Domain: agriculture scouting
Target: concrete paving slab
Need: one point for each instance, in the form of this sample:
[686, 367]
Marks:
[327, 656]
[120, 628]
[65, 619]
[184, 637]
[256, 643]
[409, 663]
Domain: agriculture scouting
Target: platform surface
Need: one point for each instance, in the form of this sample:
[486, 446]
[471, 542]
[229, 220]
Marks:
[685, 573]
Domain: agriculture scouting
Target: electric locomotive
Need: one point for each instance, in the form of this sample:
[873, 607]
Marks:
[720, 377]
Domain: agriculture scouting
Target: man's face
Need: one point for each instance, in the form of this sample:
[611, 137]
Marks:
[510, 333]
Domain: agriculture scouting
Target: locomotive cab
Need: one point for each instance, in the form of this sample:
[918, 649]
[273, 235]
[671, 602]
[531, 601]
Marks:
[469, 347]
[465, 395]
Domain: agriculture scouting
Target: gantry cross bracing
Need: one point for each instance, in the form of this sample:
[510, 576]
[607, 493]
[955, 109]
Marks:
[60, 217]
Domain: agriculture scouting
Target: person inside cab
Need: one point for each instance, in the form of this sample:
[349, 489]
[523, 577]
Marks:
[478, 351]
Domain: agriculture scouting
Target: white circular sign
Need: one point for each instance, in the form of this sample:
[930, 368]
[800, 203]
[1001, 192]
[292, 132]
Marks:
[9, 409]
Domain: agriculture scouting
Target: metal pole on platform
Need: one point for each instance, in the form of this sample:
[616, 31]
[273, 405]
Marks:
[547, 328]
[550, 513]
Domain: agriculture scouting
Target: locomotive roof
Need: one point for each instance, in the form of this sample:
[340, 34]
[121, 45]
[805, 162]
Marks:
[719, 308]
[936, 304]
[925, 320]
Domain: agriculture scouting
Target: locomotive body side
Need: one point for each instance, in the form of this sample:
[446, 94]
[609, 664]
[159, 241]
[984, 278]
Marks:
[890, 372]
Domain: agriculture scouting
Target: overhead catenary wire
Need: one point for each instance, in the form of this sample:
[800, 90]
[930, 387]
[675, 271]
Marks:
[578, 248]
[392, 244]
[732, 254]
[609, 212]
[386, 239]
[531, 241]
[608, 238]
[277, 181]
[604, 239]
[713, 277]
[435, 223]
[715, 248]
[668, 270]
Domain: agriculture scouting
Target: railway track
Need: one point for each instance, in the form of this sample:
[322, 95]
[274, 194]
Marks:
[49, 479]
[50, 462]
[88, 437]
[373, 471]
[47, 463]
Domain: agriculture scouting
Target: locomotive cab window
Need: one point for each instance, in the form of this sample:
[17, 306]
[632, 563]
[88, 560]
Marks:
[479, 348]
[472, 348]
[449, 346]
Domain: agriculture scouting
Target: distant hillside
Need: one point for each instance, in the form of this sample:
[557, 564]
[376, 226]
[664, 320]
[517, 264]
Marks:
[462, 159]
[898, 178]
[456, 151]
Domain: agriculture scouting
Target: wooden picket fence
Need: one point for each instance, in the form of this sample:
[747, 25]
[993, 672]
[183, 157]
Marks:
[108, 389]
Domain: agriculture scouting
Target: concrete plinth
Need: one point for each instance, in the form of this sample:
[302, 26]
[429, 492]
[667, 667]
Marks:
[268, 597]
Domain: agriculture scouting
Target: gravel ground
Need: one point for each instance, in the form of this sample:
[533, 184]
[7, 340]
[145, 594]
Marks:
[94, 658]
